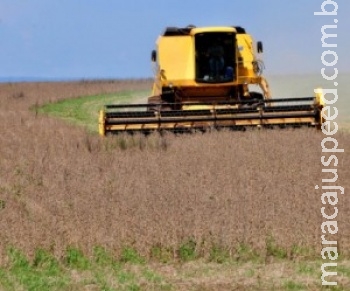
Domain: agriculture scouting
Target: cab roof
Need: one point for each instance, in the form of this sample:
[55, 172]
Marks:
[192, 30]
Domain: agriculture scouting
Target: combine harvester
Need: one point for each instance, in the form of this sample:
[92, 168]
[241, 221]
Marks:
[203, 79]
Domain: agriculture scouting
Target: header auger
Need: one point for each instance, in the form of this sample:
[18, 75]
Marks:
[203, 79]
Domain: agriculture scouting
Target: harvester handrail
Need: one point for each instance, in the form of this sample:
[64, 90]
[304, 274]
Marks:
[293, 99]
[115, 106]
[235, 102]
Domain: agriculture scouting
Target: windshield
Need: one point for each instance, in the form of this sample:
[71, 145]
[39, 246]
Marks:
[215, 57]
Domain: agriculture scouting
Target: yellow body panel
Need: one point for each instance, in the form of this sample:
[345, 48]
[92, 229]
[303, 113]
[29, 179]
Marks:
[176, 56]
[320, 100]
[198, 30]
[246, 56]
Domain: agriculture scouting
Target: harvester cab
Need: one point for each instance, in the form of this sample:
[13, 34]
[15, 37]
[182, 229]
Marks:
[207, 65]
[203, 79]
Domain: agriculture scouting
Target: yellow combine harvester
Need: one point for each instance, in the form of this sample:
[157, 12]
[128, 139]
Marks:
[203, 80]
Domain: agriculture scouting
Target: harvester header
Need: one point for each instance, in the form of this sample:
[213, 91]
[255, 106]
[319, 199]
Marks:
[203, 80]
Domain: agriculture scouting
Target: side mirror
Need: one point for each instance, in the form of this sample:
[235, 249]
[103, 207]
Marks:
[260, 47]
[154, 56]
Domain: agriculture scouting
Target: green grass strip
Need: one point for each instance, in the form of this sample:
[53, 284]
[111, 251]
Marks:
[84, 110]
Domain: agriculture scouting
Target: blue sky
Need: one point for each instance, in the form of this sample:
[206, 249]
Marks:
[63, 39]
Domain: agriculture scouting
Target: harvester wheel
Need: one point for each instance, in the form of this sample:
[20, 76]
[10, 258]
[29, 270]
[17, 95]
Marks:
[258, 97]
